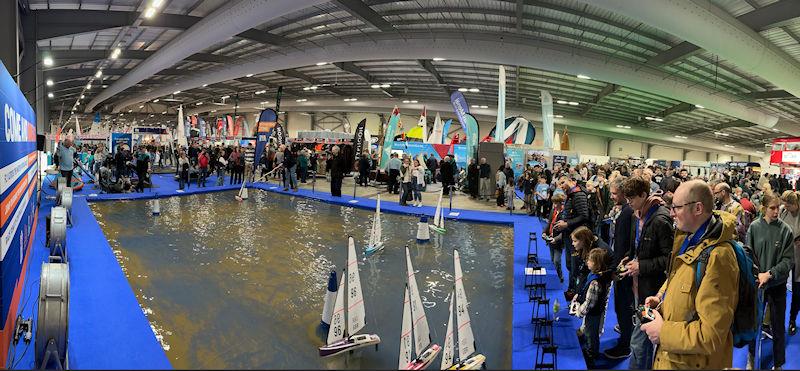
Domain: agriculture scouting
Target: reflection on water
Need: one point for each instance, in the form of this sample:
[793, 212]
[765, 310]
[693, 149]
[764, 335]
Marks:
[240, 285]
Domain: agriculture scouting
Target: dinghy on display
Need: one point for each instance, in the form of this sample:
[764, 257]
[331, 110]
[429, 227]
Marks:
[339, 338]
[375, 243]
[415, 325]
[438, 217]
[467, 358]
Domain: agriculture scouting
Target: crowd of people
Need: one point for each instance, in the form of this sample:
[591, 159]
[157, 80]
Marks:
[647, 229]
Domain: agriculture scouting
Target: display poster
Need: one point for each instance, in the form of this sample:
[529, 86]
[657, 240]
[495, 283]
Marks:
[18, 186]
[117, 139]
[517, 157]
[438, 151]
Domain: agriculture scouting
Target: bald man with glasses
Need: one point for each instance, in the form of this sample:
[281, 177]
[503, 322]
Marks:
[692, 325]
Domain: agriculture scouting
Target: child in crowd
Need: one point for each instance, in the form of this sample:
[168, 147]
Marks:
[527, 189]
[590, 303]
[554, 242]
[418, 176]
[583, 241]
[501, 186]
[542, 189]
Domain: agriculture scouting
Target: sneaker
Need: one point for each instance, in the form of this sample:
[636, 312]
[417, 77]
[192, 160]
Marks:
[420, 204]
[617, 353]
[617, 330]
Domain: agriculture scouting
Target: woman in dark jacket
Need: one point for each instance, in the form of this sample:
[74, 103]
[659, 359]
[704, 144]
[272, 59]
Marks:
[447, 171]
[472, 178]
[363, 170]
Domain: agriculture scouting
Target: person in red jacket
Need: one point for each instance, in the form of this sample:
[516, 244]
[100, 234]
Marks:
[202, 165]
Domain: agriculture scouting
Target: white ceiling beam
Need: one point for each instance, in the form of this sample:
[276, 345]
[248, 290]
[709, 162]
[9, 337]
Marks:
[702, 23]
[227, 21]
[483, 48]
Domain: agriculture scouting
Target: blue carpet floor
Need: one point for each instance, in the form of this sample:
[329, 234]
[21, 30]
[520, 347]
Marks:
[109, 331]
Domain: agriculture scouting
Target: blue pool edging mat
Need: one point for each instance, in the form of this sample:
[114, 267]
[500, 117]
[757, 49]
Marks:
[100, 350]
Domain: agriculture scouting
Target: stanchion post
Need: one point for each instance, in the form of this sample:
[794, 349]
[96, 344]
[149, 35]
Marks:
[355, 184]
[451, 196]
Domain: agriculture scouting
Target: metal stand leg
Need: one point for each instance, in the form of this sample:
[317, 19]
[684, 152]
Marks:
[51, 352]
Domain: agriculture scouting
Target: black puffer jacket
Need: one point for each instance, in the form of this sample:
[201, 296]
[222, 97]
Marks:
[576, 212]
[655, 246]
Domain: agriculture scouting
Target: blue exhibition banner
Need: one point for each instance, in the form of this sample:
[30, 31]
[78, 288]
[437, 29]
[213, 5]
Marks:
[118, 139]
[517, 157]
[266, 123]
[18, 186]
[438, 151]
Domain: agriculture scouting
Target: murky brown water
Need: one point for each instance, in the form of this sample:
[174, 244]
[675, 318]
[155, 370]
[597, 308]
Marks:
[240, 285]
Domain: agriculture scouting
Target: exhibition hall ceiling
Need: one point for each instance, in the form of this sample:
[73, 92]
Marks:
[603, 63]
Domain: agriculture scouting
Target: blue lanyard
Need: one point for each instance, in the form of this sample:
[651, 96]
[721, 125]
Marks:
[695, 238]
[639, 225]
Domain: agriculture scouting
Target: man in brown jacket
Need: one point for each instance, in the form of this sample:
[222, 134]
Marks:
[692, 329]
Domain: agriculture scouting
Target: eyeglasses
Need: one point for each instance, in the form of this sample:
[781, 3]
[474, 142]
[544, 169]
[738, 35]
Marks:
[673, 208]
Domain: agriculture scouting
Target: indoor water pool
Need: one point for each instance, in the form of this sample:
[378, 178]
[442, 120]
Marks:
[228, 284]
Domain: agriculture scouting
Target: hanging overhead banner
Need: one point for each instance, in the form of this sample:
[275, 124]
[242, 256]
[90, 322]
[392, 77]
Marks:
[500, 125]
[547, 119]
[18, 186]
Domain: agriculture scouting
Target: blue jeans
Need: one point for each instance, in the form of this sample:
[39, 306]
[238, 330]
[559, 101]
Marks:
[220, 176]
[641, 348]
[591, 334]
[417, 189]
[290, 177]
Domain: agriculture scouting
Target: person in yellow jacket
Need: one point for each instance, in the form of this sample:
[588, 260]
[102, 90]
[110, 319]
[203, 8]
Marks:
[692, 326]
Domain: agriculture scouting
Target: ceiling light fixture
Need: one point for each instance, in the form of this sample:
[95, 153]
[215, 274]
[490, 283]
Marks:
[620, 126]
[213, 110]
[150, 12]
[88, 86]
[198, 104]
[130, 110]
[83, 96]
[142, 106]
[681, 137]
[385, 85]
[584, 77]
[559, 116]
[463, 90]
[375, 86]
[322, 63]
[301, 100]
[226, 96]
[49, 95]
[561, 101]
[156, 101]
[49, 82]
[730, 146]
[264, 102]
[48, 61]
[204, 85]
[698, 106]
[474, 90]
[573, 103]
[176, 92]
[249, 75]
[115, 53]
[406, 101]
[98, 73]
[437, 59]
[627, 127]
[475, 106]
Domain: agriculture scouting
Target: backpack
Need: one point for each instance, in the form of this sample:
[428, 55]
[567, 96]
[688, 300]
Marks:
[749, 312]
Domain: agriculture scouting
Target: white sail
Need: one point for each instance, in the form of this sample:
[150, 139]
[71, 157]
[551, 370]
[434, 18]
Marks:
[405, 335]
[447, 352]
[437, 217]
[466, 341]
[336, 331]
[375, 233]
[421, 331]
[423, 122]
[436, 134]
[355, 298]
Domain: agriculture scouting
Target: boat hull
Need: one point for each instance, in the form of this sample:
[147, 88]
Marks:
[351, 343]
[437, 229]
[373, 249]
[424, 360]
[472, 363]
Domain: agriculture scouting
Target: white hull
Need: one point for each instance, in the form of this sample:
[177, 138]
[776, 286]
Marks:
[351, 343]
